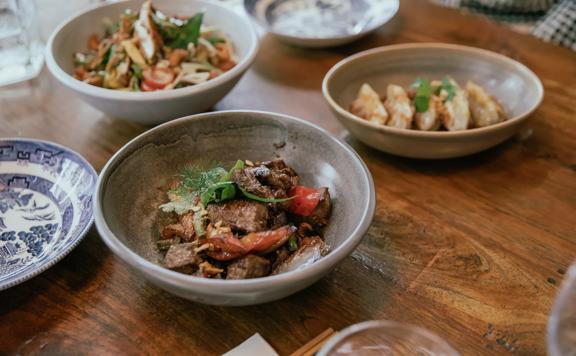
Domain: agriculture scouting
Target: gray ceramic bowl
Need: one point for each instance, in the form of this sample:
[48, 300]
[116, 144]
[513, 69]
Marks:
[129, 191]
[317, 23]
[517, 87]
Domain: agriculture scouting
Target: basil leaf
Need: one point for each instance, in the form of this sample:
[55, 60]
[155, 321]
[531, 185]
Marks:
[423, 94]
[238, 165]
[218, 192]
[228, 192]
[189, 32]
[263, 200]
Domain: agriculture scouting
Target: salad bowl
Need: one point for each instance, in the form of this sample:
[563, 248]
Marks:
[155, 106]
[129, 193]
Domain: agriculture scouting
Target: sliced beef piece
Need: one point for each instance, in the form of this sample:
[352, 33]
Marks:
[240, 215]
[182, 258]
[251, 266]
[184, 229]
[311, 250]
[277, 175]
[246, 179]
[277, 218]
[321, 213]
[171, 231]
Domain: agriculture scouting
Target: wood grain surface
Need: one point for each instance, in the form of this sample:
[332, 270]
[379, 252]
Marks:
[473, 249]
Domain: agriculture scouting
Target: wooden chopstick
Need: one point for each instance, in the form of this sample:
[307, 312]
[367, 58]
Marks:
[312, 346]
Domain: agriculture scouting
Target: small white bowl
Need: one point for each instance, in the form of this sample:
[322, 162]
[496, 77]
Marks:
[159, 106]
[314, 24]
[516, 87]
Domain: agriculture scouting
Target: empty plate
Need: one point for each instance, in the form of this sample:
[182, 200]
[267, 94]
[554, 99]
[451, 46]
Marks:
[45, 206]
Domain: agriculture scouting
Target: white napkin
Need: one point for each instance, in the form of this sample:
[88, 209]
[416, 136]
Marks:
[254, 345]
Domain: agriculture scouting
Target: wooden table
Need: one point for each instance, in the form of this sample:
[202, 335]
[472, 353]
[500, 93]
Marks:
[473, 249]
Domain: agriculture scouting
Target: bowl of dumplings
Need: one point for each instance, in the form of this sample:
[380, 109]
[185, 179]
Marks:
[431, 101]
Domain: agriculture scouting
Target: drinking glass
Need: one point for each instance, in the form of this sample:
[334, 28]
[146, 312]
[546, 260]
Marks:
[21, 51]
[562, 322]
[384, 337]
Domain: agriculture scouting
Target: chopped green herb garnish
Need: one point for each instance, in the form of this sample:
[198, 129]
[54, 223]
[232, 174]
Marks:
[218, 192]
[292, 243]
[423, 94]
[108, 55]
[137, 70]
[216, 40]
[188, 33]
[447, 86]
[196, 179]
[238, 165]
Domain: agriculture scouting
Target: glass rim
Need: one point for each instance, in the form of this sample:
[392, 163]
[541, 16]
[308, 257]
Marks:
[372, 324]
[555, 315]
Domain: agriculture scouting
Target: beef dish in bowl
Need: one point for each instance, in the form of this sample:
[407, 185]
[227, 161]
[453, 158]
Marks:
[133, 185]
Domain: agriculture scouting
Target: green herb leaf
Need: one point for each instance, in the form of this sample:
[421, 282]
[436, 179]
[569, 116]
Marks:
[423, 94]
[218, 192]
[238, 165]
[108, 55]
[180, 206]
[188, 33]
[197, 179]
[263, 200]
[136, 70]
[447, 86]
[216, 40]
[292, 243]
[198, 221]
[168, 31]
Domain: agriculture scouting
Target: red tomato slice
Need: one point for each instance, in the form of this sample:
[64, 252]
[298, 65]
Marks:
[267, 241]
[158, 78]
[146, 87]
[304, 200]
[226, 248]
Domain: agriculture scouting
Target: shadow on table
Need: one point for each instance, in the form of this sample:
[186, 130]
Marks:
[305, 68]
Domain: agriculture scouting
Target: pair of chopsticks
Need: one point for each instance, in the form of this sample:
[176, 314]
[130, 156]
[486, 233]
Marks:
[314, 345]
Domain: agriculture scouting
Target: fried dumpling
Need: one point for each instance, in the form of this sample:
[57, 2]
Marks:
[399, 107]
[456, 113]
[485, 111]
[368, 106]
[430, 119]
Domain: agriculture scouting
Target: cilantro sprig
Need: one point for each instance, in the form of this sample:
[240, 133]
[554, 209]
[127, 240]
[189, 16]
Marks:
[424, 92]
[209, 185]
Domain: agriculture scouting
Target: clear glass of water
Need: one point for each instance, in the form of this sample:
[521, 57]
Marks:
[562, 322]
[385, 337]
[21, 51]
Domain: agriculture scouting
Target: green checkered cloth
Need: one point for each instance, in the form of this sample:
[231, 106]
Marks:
[550, 20]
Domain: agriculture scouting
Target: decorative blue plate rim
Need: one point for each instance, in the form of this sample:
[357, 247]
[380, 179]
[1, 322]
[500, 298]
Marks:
[69, 235]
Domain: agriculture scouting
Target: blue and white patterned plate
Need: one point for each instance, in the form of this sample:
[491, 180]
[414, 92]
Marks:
[45, 206]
